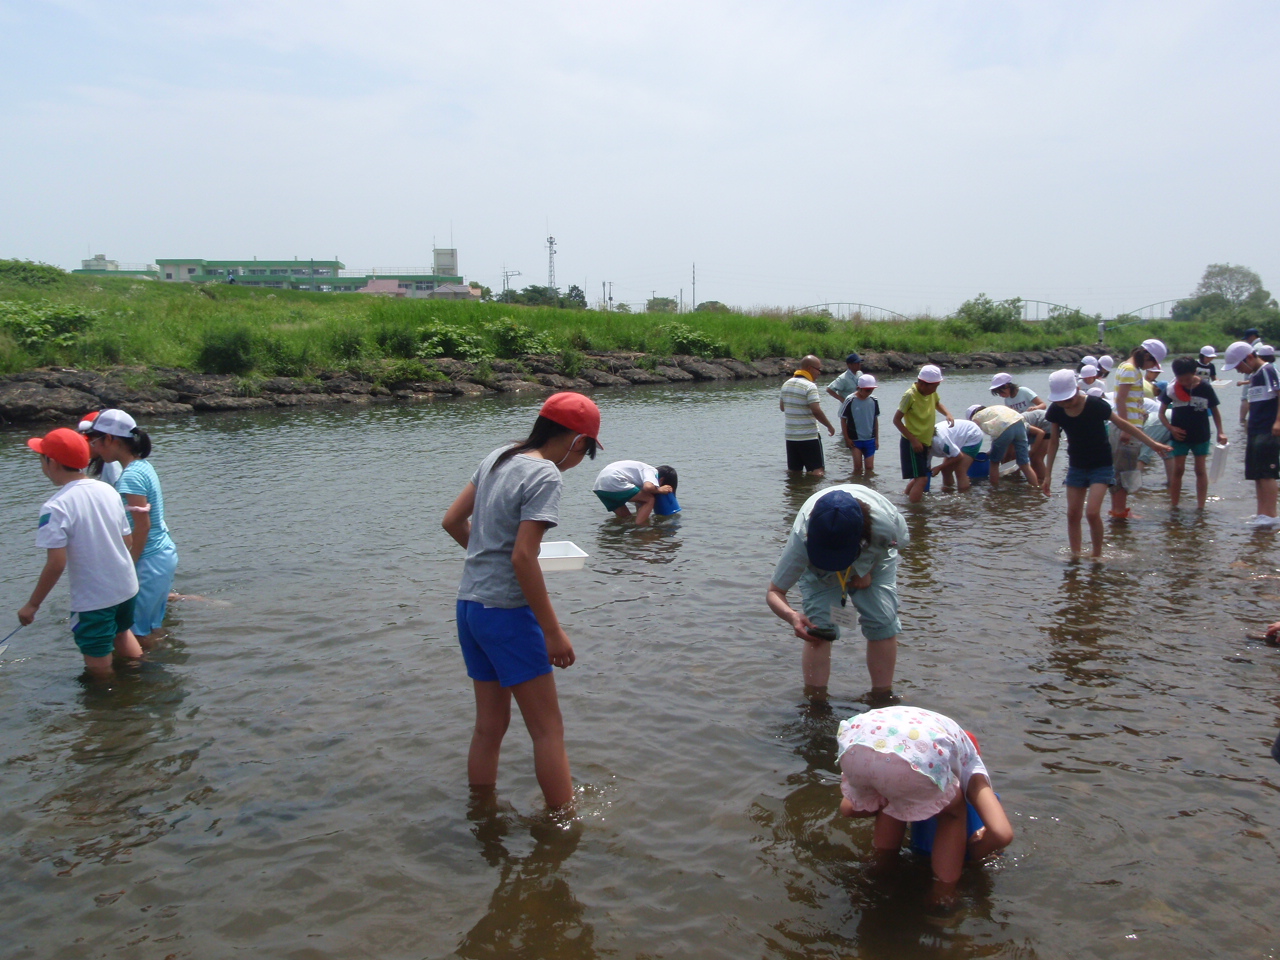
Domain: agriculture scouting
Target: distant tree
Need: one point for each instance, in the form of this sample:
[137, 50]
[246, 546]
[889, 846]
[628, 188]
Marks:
[990, 316]
[536, 296]
[1239, 285]
[508, 296]
[661, 305]
[621, 307]
[575, 299]
[711, 306]
[485, 292]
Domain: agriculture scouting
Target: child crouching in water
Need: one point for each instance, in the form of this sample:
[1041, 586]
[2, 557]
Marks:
[905, 765]
[508, 631]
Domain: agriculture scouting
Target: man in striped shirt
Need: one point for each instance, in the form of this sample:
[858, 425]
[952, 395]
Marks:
[802, 405]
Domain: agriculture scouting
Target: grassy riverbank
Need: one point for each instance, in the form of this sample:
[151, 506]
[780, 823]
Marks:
[50, 317]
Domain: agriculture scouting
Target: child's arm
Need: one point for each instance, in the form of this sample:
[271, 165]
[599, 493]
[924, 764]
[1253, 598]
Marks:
[524, 558]
[1164, 409]
[997, 832]
[1049, 458]
[898, 422]
[1217, 423]
[951, 421]
[1124, 426]
[457, 519]
[54, 564]
[141, 524]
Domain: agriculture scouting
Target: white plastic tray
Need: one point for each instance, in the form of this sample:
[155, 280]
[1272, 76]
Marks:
[561, 555]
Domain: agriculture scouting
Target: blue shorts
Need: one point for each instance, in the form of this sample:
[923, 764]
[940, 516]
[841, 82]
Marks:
[867, 447]
[1017, 435]
[1082, 477]
[155, 580]
[500, 644]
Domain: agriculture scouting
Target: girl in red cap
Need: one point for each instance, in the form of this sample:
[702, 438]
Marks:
[508, 631]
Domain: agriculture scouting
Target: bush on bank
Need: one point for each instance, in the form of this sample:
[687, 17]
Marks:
[49, 317]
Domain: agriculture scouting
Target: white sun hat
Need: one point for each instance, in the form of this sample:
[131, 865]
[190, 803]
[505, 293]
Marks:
[1062, 385]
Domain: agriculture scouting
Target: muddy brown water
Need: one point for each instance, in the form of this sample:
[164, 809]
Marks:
[286, 777]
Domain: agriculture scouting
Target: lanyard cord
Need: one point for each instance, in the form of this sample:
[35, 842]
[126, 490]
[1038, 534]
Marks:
[844, 576]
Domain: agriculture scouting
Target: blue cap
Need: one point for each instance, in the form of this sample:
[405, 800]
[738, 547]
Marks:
[834, 539]
[853, 358]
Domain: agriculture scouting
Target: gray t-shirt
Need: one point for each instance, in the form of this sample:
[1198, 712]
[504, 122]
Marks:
[888, 532]
[523, 488]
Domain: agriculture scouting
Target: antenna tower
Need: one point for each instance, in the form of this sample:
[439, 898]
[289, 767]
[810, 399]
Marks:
[551, 262]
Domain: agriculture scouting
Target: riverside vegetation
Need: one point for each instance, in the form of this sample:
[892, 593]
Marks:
[247, 338]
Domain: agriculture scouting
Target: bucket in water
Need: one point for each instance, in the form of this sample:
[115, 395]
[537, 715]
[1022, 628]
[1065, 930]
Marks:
[665, 504]
[979, 468]
[1218, 464]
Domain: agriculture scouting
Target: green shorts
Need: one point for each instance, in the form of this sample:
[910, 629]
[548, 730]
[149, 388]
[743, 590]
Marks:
[613, 499]
[96, 630]
[1181, 449]
[972, 450]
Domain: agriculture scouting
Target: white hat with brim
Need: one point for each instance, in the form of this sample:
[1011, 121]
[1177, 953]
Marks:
[1264, 349]
[1208, 352]
[1089, 360]
[866, 382]
[115, 422]
[1096, 392]
[973, 408]
[1106, 363]
[1156, 348]
[1236, 353]
[1088, 370]
[1062, 385]
[929, 373]
[1000, 379]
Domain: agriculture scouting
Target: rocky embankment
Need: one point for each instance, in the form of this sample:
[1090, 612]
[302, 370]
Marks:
[60, 394]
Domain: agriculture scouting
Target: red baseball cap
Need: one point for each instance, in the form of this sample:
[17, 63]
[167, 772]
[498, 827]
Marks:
[65, 446]
[574, 411]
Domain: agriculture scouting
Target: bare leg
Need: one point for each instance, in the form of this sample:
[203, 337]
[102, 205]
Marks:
[622, 513]
[1119, 498]
[493, 716]
[1075, 513]
[1175, 480]
[869, 464]
[1093, 514]
[101, 668]
[1029, 473]
[915, 489]
[962, 472]
[127, 645]
[1266, 497]
[541, 711]
[858, 460]
[1202, 481]
[949, 844]
[818, 472]
[644, 507]
[815, 661]
[882, 657]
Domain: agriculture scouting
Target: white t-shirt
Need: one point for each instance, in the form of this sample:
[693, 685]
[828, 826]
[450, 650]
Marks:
[947, 441]
[1021, 400]
[622, 475]
[87, 517]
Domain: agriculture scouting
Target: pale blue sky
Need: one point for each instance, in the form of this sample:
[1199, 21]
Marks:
[906, 154]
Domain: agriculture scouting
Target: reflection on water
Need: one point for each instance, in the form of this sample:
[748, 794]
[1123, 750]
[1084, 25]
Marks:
[288, 778]
[532, 914]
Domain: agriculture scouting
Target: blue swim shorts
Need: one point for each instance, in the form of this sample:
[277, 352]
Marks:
[500, 644]
[155, 580]
[95, 631]
[868, 447]
[613, 499]
[1081, 477]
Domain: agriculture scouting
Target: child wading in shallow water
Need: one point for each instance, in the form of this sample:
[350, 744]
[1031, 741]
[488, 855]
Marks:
[508, 631]
[905, 765]
[1090, 471]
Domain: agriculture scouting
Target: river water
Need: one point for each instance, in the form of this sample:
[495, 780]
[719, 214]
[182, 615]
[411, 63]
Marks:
[286, 777]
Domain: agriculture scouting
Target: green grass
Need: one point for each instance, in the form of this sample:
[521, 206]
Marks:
[99, 322]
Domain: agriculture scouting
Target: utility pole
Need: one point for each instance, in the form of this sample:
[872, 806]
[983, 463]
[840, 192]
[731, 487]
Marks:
[610, 296]
[602, 297]
[506, 277]
[551, 262]
[695, 286]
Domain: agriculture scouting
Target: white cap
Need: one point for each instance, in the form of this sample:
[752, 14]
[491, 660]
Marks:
[1264, 349]
[930, 374]
[115, 422]
[1088, 370]
[1062, 385]
[1156, 348]
[1085, 361]
[1106, 363]
[1156, 369]
[1096, 391]
[86, 423]
[866, 382]
[1236, 353]
[973, 408]
[1000, 379]
[1208, 352]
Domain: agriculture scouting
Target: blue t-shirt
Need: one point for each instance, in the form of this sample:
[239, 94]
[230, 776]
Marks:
[140, 478]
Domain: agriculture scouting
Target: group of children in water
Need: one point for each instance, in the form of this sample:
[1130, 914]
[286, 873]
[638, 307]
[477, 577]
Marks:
[899, 764]
[1108, 434]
